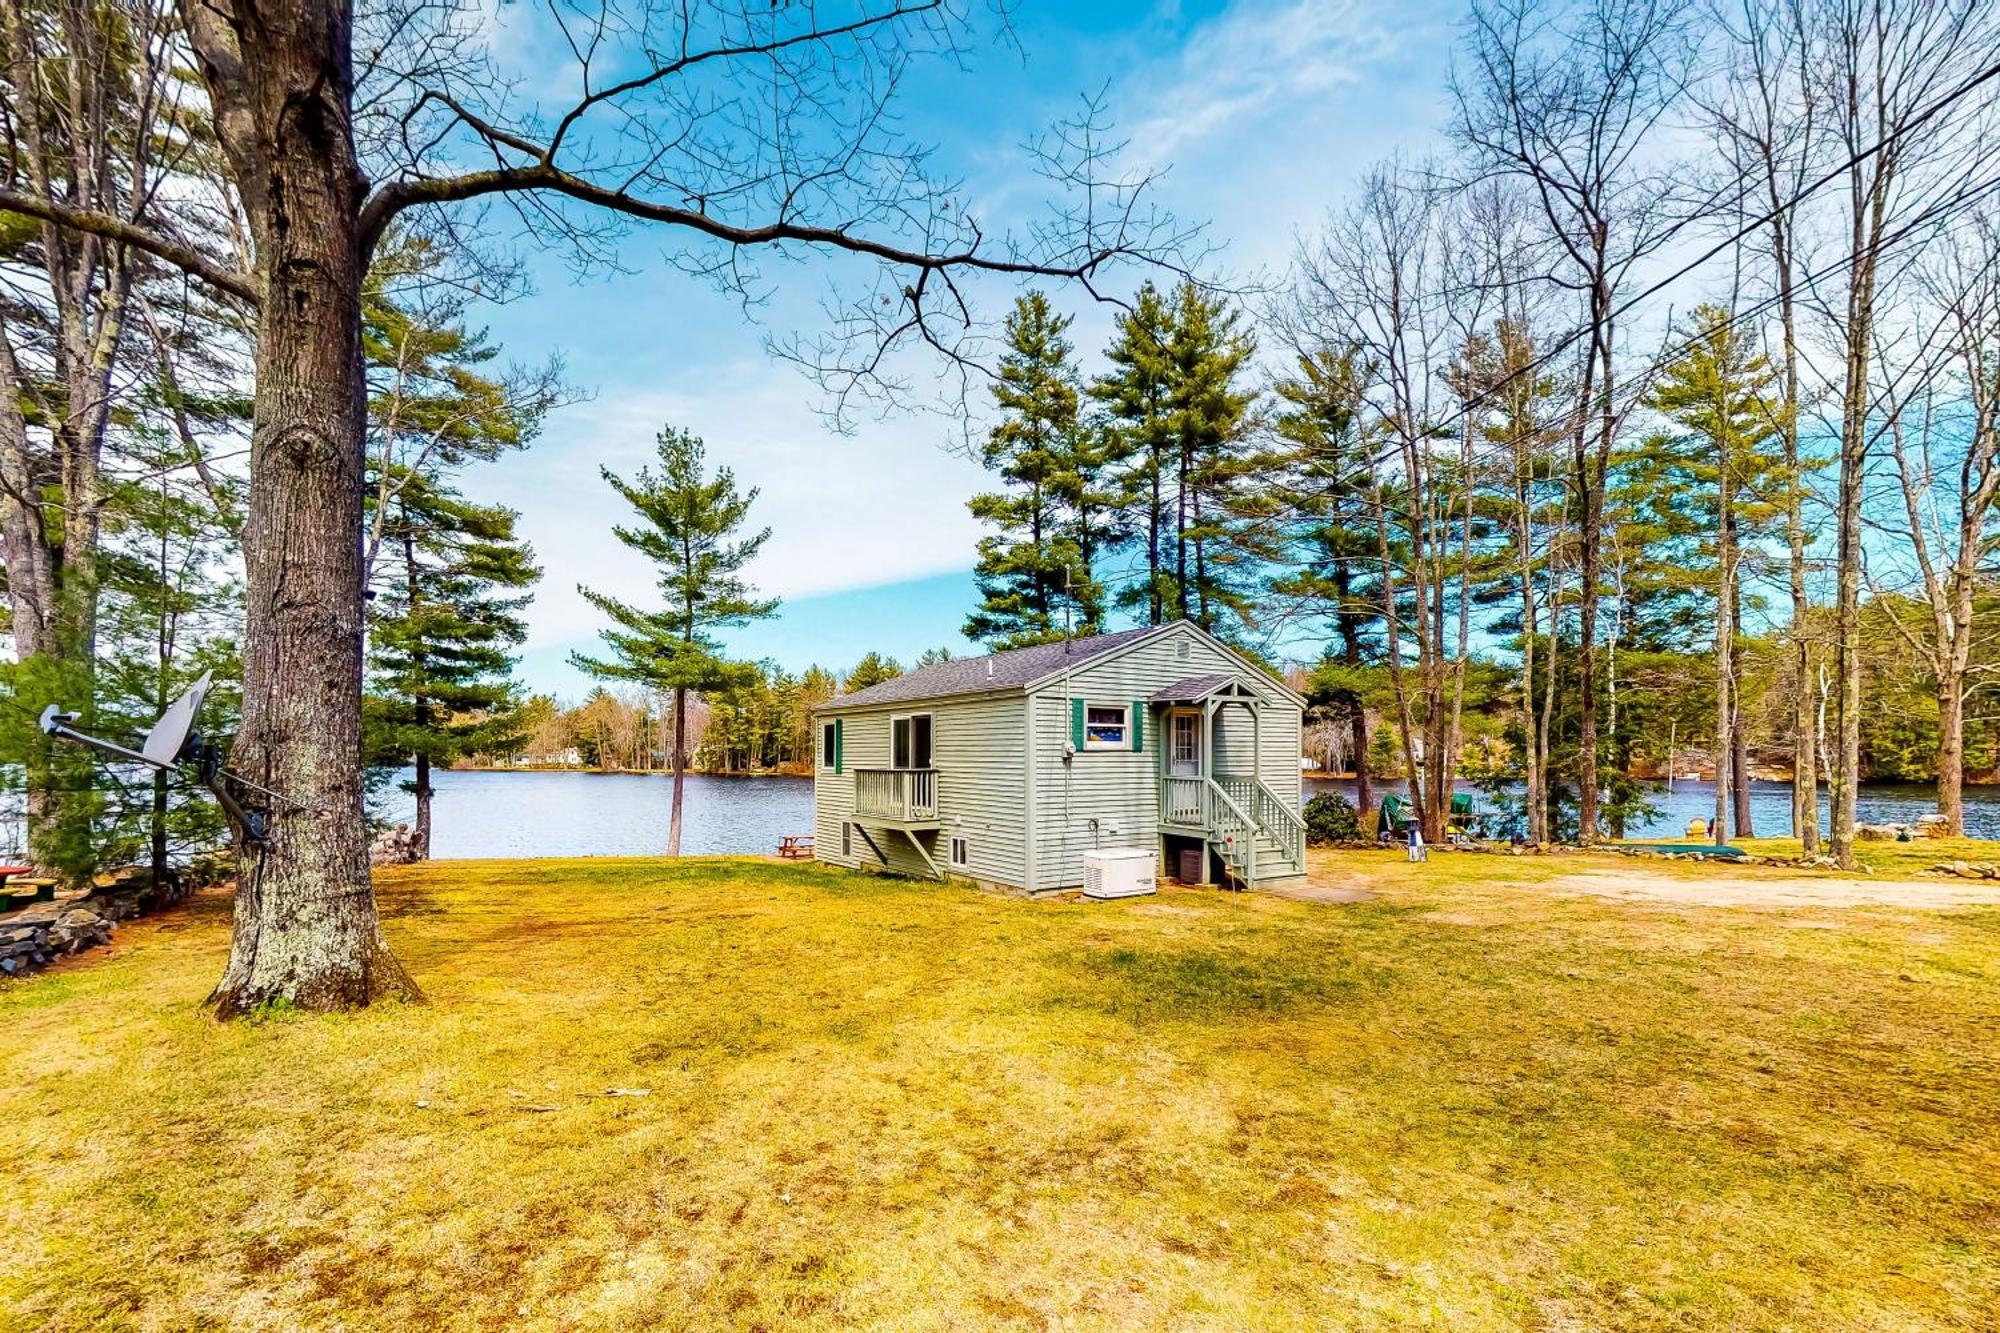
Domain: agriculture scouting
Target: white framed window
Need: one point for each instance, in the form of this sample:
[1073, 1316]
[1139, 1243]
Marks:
[910, 741]
[961, 852]
[846, 838]
[829, 746]
[1107, 727]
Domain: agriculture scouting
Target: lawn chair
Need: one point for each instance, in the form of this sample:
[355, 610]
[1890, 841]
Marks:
[1396, 820]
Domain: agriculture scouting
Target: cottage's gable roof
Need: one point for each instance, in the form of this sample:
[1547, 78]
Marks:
[1012, 669]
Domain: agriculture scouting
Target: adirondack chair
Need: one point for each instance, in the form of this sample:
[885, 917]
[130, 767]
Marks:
[1396, 819]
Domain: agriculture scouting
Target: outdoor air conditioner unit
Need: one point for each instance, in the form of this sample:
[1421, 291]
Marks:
[1124, 872]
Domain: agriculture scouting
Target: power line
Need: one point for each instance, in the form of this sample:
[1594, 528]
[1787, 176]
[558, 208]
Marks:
[1932, 214]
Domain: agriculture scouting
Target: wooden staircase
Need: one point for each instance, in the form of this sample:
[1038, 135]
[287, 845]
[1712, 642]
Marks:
[1257, 836]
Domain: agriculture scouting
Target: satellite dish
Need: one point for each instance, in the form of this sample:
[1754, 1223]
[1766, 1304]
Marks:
[168, 745]
[170, 733]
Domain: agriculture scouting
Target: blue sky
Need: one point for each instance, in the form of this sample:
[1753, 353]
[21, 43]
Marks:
[1264, 112]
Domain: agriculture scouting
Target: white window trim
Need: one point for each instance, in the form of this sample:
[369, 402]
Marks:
[847, 837]
[961, 850]
[894, 718]
[1125, 740]
[1172, 740]
[827, 745]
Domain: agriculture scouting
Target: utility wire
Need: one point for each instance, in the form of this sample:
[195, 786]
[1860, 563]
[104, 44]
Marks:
[1569, 340]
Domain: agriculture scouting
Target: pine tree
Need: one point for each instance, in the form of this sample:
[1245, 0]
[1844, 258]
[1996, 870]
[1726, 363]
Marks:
[1177, 445]
[1138, 444]
[872, 669]
[691, 530]
[1322, 466]
[448, 575]
[1216, 555]
[442, 632]
[1037, 564]
[1719, 392]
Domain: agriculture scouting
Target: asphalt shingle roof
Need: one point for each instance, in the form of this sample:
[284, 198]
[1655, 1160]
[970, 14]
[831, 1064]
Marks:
[975, 675]
[1194, 687]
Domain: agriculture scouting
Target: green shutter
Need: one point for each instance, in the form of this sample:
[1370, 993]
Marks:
[1138, 725]
[1076, 723]
[836, 744]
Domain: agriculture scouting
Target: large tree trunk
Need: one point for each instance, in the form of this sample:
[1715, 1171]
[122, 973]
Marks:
[306, 930]
[1589, 518]
[1847, 586]
[679, 758]
[421, 830]
[1951, 754]
[1805, 759]
[1725, 711]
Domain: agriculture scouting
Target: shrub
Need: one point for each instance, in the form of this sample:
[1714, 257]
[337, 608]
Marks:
[1330, 817]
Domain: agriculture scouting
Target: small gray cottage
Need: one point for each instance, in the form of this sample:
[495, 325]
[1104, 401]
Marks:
[1006, 769]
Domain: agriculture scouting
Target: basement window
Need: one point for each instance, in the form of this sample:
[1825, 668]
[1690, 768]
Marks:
[846, 839]
[961, 852]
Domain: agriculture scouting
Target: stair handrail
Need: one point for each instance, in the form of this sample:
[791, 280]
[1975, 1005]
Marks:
[1250, 827]
[1295, 824]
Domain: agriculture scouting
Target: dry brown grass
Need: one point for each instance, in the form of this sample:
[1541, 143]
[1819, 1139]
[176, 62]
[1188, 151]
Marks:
[1469, 1103]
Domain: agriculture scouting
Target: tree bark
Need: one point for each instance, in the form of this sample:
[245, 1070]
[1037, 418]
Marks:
[1951, 755]
[1725, 672]
[1805, 760]
[307, 932]
[680, 769]
[421, 830]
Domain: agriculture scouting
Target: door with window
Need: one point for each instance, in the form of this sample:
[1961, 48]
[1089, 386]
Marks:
[910, 750]
[910, 741]
[1184, 787]
[1184, 744]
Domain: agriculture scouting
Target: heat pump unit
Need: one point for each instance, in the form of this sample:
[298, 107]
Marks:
[1124, 872]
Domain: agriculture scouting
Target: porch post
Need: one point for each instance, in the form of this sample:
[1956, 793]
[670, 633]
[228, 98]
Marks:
[1257, 739]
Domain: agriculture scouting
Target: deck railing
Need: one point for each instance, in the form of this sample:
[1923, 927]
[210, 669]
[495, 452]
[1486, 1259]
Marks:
[906, 795]
[1234, 807]
[1185, 801]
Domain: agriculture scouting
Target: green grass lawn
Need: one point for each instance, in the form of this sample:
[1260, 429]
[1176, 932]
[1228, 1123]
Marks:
[1466, 1104]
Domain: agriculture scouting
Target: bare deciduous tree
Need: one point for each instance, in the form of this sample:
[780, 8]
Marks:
[738, 126]
[1572, 100]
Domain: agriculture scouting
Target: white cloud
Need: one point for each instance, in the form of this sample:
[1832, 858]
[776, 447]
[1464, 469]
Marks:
[844, 512]
[1252, 60]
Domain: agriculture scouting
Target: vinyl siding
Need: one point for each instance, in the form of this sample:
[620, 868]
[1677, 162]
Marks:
[1119, 789]
[979, 749]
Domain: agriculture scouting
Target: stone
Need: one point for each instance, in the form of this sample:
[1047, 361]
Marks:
[394, 846]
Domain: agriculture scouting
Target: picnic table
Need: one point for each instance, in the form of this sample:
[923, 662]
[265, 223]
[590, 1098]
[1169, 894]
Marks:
[17, 889]
[796, 847]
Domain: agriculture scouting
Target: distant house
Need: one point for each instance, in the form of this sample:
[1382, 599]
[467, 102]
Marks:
[570, 758]
[1007, 769]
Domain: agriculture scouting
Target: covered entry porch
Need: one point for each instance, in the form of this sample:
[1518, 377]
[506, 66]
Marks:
[1230, 811]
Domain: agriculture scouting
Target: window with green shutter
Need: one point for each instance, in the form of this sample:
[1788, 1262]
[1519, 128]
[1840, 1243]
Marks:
[1107, 727]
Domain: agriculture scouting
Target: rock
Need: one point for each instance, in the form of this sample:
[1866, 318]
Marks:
[394, 846]
[1879, 832]
[1933, 825]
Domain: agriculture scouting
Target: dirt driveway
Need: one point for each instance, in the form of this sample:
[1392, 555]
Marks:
[1721, 888]
[1345, 876]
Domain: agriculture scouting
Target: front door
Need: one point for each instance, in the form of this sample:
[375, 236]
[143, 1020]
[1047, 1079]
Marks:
[1184, 745]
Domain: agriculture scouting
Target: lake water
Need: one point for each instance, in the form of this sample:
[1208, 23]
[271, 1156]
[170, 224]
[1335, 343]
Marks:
[608, 814]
